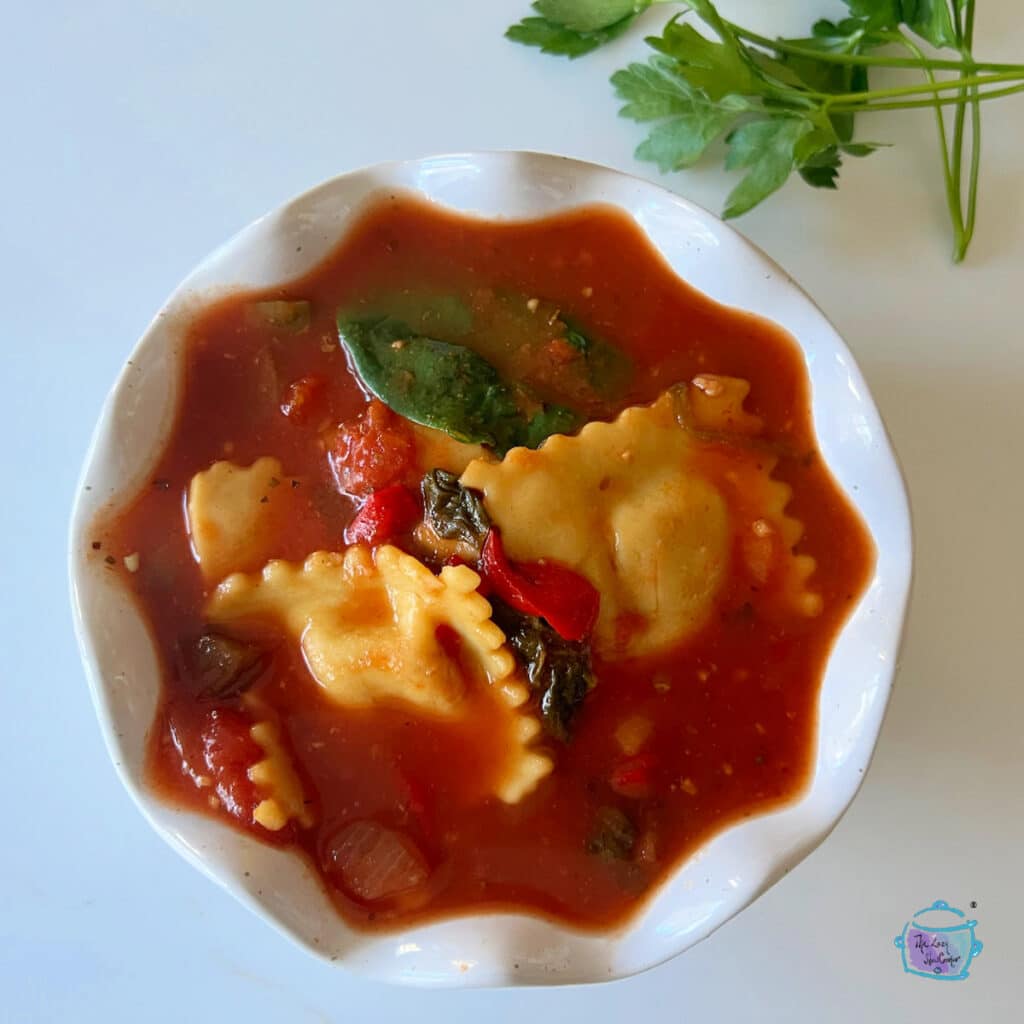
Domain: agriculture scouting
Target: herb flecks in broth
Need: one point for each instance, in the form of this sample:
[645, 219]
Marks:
[442, 727]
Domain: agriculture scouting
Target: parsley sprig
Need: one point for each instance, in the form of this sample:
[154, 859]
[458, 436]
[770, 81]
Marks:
[786, 105]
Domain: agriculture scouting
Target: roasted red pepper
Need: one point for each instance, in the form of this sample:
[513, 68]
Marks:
[567, 601]
[383, 516]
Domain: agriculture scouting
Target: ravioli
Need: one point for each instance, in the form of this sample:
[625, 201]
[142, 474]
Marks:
[371, 629]
[276, 777]
[621, 504]
[768, 536]
[437, 450]
[632, 506]
[716, 403]
[234, 515]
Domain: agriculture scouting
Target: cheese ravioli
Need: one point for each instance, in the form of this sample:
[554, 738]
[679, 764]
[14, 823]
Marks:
[371, 630]
[236, 514]
[619, 503]
[275, 775]
[647, 511]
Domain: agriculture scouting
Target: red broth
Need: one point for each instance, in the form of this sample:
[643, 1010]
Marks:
[732, 711]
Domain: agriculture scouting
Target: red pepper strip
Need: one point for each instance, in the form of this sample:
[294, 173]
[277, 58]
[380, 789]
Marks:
[632, 777]
[567, 601]
[384, 515]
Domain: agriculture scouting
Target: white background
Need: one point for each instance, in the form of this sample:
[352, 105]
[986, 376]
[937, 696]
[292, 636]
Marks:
[139, 135]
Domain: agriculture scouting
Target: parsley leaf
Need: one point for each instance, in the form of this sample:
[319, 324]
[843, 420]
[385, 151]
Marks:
[717, 68]
[930, 19]
[820, 168]
[549, 37]
[862, 148]
[768, 149]
[573, 28]
[847, 38]
[690, 120]
[589, 15]
[789, 104]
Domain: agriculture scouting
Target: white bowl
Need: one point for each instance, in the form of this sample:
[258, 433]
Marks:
[503, 949]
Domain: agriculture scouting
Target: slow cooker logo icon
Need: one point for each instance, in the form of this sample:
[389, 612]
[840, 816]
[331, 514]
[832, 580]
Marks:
[938, 942]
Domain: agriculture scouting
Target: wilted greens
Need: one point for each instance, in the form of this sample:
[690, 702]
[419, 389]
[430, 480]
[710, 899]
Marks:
[558, 670]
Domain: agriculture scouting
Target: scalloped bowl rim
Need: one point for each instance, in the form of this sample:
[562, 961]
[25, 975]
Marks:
[728, 872]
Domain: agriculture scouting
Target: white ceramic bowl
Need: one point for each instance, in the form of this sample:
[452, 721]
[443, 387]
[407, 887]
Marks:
[502, 949]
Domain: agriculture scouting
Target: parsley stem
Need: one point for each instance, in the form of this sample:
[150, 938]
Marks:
[947, 101]
[959, 84]
[953, 200]
[868, 60]
[966, 42]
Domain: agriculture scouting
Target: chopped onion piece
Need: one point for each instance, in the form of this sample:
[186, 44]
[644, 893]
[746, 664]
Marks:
[372, 862]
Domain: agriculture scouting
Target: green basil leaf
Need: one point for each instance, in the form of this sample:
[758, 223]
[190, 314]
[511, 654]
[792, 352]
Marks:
[447, 386]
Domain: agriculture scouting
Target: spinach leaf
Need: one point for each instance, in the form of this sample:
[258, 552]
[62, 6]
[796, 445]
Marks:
[557, 670]
[424, 310]
[612, 835]
[552, 419]
[453, 511]
[219, 667]
[577, 339]
[609, 369]
[447, 386]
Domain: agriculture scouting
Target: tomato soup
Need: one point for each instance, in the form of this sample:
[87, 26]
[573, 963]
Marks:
[658, 628]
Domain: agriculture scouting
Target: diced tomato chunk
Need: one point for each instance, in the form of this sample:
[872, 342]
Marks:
[302, 398]
[384, 515]
[374, 451]
[560, 352]
[220, 762]
[633, 776]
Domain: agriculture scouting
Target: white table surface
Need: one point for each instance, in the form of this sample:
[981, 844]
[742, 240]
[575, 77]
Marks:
[139, 135]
